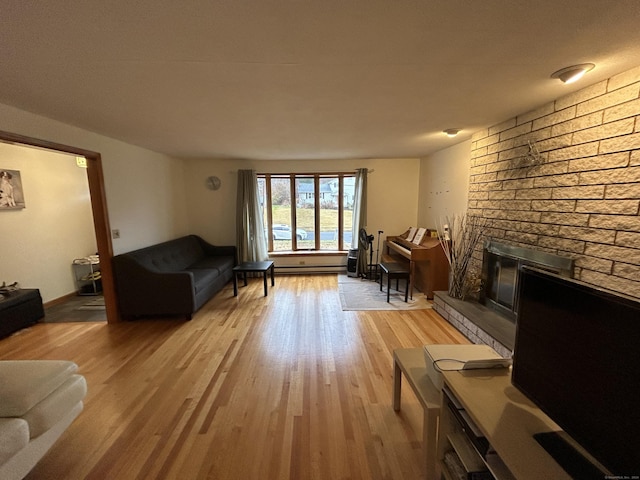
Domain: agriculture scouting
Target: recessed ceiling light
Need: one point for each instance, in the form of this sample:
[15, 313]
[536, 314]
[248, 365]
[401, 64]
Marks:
[573, 73]
[451, 132]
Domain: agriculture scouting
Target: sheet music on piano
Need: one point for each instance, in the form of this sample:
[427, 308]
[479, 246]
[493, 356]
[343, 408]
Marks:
[419, 236]
[411, 234]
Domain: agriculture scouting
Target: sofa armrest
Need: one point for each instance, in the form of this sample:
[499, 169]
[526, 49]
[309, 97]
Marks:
[142, 291]
[219, 250]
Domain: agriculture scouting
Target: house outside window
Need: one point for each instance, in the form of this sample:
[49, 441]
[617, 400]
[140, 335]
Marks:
[309, 212]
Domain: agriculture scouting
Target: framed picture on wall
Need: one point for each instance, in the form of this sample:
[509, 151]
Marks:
[11, 194]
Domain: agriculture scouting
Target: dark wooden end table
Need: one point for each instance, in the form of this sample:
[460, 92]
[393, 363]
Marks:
[245, 267]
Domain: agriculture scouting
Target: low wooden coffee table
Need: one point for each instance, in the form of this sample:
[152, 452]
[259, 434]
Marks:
[245, 267]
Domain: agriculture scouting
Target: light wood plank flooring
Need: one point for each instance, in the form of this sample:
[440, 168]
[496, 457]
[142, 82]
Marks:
[280, 387]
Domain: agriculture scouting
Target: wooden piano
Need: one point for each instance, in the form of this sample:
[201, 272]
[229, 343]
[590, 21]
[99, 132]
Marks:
[428, 265]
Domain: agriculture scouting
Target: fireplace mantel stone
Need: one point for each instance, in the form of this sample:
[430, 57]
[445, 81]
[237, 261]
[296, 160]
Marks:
[478, 323]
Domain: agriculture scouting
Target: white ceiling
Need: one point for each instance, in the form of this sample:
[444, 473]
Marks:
[302, 79]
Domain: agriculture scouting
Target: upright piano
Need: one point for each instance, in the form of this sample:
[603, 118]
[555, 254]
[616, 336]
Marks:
[428, 265]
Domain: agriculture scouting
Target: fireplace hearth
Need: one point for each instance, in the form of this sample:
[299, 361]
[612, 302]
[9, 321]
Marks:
[492, 319]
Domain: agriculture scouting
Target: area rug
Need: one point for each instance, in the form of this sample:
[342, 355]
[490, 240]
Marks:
[95, 304]
[358, 294]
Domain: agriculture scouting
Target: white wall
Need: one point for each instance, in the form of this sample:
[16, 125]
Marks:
[392, 206]
[145, 196]
[39, 242]
[144, 189]
[444, 184]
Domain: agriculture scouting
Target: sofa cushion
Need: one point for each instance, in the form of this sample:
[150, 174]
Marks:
[52, 409]
[172, 256]
[218, 263]
[14, 436]
[24, 383]
[202, 278]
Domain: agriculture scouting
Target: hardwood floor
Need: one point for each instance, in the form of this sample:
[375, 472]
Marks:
[280, 387]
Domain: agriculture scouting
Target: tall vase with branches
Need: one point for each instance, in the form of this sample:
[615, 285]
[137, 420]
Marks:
[459, 236]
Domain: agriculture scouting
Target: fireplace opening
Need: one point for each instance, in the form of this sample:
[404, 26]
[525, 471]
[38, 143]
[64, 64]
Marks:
[501, 265]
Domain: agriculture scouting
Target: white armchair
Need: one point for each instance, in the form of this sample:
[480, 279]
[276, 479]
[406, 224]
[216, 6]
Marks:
[38, 401]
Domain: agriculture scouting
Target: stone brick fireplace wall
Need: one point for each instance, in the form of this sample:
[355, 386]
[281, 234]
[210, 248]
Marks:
[565, 179]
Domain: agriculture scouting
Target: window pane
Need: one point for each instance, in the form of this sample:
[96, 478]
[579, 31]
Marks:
[262, 192]
[281, 214]
[329, 191]
[349, 192]
[305, 213]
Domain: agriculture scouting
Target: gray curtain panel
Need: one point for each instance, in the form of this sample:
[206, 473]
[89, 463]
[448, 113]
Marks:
[360, 219]
[250, 235]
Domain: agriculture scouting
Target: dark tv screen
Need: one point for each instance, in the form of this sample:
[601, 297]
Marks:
[577, 357]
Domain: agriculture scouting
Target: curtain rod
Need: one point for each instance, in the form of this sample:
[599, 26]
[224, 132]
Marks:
[307, 174]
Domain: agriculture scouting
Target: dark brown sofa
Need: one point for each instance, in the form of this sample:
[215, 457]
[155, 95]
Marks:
[171, 278]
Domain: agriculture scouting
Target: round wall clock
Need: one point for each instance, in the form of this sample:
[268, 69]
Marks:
[213, 183]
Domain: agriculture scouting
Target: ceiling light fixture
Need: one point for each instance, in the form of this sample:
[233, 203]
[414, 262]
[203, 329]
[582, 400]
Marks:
[451, 132]
[573, 73]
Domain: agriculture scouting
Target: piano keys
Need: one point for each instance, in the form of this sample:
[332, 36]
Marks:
[428, 265]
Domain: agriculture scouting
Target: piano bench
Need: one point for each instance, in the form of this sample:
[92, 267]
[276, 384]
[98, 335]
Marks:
[397, 271]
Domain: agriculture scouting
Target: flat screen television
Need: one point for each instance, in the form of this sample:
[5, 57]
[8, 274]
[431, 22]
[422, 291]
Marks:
[577, 357]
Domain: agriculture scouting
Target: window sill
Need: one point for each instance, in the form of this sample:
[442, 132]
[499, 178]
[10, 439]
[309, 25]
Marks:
[309, 253]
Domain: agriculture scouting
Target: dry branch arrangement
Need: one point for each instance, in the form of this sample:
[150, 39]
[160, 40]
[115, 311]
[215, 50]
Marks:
[459, 235]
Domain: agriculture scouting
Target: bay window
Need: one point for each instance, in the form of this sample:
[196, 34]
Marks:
[309, 212]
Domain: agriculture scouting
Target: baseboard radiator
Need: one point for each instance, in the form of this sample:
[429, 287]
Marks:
[306, 269]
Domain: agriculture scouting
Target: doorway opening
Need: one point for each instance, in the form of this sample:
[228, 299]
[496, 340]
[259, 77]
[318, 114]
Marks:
[98, 207]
